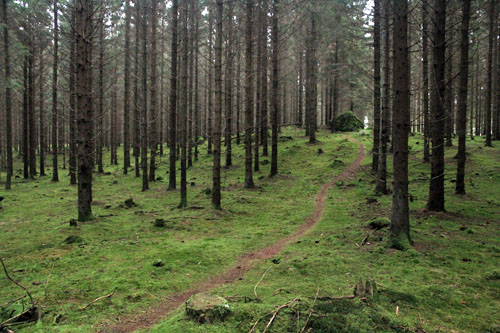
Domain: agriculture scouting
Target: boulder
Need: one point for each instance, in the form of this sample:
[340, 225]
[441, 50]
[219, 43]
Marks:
[348, 122]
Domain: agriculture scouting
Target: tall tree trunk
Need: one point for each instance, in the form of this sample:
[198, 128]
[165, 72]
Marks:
[491, 40]
[249, 94]
[436, 188]
[400, 222]
[184, 106]
[137, 110]
[210, 81]
[258, 85]
[376, 85]
[8, 95]
[153, 139]
[83, 80]
[190, 45]
[41, 113]
[381, 186]
[173, 98]
[311, 83]
[100, 102]
[126, 92]
[197, 124]
[462, 98]
[274, 90]
[263, 73]
[216, 192]
[55, 171]
[144, 118]
[425, 78]
[26, 173]
[300, 92]
[72, 102]
[31, 107]
[229, 88]
[448, 95]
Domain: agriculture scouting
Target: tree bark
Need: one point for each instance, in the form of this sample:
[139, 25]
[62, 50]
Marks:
[72, 102]
[173, 97]
[376, 85]
[436, 188]
[216, 192]
[400, 222]
[229, 89]
[249, 95]
[126, 92]
[491, 22]
[274, 90]
[263, 87]
[83, 80]
[55, 171]
[144, 119]
[425, 78]
[153, 138]
[8, 95]
[137, 112]
[462, 98]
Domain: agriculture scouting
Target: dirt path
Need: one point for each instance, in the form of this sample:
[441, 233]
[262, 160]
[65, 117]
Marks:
[154, 315]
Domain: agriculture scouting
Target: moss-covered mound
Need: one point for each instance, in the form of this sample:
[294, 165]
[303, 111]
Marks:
[205, 308]
[348, 122]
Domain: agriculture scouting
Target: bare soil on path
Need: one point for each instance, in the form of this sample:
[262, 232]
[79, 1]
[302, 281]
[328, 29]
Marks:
[161, 310]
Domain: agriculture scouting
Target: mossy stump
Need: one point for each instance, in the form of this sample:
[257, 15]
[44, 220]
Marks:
[207, 308]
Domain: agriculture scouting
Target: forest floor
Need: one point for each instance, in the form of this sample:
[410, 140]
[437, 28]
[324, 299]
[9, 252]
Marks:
[448, 281]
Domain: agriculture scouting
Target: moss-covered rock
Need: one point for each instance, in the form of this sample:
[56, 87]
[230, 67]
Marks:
[348, 122]
[379, 223]
[207, 308]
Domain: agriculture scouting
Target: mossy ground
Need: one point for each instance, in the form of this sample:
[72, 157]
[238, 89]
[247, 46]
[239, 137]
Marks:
[448, 281]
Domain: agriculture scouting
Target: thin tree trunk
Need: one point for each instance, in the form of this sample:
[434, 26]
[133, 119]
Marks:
[26, 120]
[436, 188]
[31, 109]
[425, 78]
[72, 103]
[137, 112]
[249, 95]
[8, 95]
[229, 88]
[274, 90]
[381, 186]
[126, 92]
[216, 192]
[184, 107]
[210, 81]
[462, 99]
[55, 171]
[100, 102]
[41, 113]
[153, 139]
[173, 98]
[376, 85]
[491, 22]
[400, 222]
[263, 87]
[144, 77]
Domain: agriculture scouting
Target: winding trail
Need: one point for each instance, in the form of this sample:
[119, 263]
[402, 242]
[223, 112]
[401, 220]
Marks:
[160, 311]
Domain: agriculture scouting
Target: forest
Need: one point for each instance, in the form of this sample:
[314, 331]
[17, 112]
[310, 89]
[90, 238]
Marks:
[250, 166]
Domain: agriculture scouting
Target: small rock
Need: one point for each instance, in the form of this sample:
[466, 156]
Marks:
[159, 179]
[371, 200]
[129, 203]
[275, 261]
[73, 239]
[264, 162]
[73, 223]
[160, 223]
[158, 263]
[320, 151]
[207, 308]
[380, 223]
[108, 206]
[193, 184]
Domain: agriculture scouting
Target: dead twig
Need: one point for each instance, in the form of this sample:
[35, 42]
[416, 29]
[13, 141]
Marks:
[275, 313]
[97, 299]
[280, 290]
[310, 311]
[262, 278]
[17, 283]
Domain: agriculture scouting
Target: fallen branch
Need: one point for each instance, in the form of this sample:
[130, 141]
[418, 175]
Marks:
[279, 290]
[262, 278]
[97, 299]
[310, 311]
[34, 307]
[17, 283]
[275, 313]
